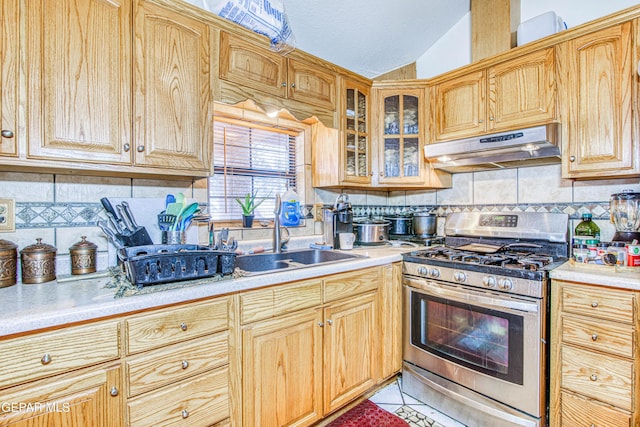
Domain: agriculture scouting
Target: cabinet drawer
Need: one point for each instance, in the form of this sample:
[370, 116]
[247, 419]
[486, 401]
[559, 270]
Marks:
[48, 353]
[171, 325]
[606, 378]
[199, 401]
[601, 303]
[167, 365]
[608, 337]
[579, 412]
[353, 283]
[267, 303]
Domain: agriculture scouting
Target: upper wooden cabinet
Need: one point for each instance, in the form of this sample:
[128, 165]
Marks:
[245, 63]
[509, 95]
[173, 99]
[598, 83]
[9, 78]
[79, 80]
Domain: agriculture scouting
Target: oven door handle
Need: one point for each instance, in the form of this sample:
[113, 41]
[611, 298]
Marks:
[470, 296]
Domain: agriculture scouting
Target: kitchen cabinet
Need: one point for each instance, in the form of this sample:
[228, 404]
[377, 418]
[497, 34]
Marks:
[594, 355]
[391, 320]
[9, 78]
[173, 89]
[310, 347]
[177, 365]
[512, 94]
[598, 82]
[251, 65]
[71, 377]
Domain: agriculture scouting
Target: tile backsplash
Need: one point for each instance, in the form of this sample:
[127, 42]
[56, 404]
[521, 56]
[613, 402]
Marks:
[62, 208]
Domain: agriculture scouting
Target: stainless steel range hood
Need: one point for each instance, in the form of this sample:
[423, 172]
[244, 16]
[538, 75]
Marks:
[533, 146]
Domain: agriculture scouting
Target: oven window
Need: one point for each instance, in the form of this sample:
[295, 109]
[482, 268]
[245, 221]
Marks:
[485, 340]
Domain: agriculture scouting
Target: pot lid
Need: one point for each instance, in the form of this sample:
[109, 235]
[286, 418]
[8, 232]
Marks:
[39, 248]
[423, 214]
[626, 194]
[398, 216]
[83, 244]
[371, 221]
[7, 245]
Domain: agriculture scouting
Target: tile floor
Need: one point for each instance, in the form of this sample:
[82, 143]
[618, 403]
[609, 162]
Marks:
[416, 413]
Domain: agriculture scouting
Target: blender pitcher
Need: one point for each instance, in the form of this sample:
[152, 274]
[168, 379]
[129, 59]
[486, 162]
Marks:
[625, 214]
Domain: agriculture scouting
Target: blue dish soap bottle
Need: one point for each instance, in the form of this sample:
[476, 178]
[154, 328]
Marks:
[290, 214]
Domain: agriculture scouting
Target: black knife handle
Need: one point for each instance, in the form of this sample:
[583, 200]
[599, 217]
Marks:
[106, 204]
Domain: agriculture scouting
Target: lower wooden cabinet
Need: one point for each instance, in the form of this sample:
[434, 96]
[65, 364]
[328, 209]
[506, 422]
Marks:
[594, 356]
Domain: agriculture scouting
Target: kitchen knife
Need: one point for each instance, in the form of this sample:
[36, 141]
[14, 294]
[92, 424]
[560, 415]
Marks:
[114, 222]
[110, 234]
[106, 204]
[128, 227]
[128, 215]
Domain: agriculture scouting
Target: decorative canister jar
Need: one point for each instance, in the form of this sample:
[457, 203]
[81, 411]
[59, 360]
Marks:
[8, 263]
[83, 257]
[38, 263]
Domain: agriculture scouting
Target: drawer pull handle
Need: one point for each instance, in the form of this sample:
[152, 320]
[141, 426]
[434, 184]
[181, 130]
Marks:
[6, 133]
[185, 413]
[114, 391]
[594, 304]
[593, 377]
[185, 364]
[46, 359]
[183, 326]
[594, 337]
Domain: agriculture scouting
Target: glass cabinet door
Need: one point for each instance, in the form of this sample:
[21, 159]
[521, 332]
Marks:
[401, 136]
[356, 148]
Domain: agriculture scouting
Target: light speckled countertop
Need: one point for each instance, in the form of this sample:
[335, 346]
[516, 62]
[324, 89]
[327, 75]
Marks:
[32, 307]
[623, 278]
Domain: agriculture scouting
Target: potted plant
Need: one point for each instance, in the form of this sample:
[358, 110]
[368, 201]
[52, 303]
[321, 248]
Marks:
[249, 205]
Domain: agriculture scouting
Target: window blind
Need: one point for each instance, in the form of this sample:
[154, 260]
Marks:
[250, 158]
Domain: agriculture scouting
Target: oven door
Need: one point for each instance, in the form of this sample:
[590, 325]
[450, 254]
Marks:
[486, 341]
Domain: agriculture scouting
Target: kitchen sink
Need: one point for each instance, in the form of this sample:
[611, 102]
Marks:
[272, 262]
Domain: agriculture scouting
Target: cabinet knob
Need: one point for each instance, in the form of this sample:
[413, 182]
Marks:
[330, 322]
[593, 377]
[127, 147]
[284, 84]
[293, 85]
[6, 133]
[594, 304]
[185, 413]
[185, 364]
[480, 121]
[594, 337]
[321, 324]
[46, 359]
[491, 118]
[572, 159]
[183, 326]
[140, 148]
[114, 391]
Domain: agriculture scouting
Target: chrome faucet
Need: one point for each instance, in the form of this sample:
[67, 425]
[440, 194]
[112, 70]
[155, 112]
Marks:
[277, 238]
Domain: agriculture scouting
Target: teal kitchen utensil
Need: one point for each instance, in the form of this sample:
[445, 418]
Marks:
[187, 211]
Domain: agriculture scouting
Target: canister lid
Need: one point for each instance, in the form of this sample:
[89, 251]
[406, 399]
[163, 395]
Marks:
[7, 245]
[38, 248]
[83, 244]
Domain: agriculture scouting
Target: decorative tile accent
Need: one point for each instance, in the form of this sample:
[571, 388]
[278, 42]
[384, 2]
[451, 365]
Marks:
[48, 215]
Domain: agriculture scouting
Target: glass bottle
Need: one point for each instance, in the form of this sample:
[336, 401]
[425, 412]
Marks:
[587, 227]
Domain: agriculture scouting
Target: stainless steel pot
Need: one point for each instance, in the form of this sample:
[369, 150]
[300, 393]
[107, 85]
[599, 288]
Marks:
[400, 225]
[371, 231]
[424, 224]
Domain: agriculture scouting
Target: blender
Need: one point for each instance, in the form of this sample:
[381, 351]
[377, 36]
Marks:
[625, 213]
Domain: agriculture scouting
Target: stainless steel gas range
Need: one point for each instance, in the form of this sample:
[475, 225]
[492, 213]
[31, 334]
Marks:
[475, 317]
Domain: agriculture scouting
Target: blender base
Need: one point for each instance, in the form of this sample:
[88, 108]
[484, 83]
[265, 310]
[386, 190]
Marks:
[626, 236]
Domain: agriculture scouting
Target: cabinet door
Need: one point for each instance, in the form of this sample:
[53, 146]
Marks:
[173, 100]
[311, 84]
[246, 64]
[597, 80]
[349, 345]
[356, 144]
[9, 78]
[79, 80]
[402, 126]
[459, 107]
[391, 320]
[86, 398]
[522, 91]
[282, 370]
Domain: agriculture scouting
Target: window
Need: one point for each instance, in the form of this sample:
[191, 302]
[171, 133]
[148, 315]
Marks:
[250, 158]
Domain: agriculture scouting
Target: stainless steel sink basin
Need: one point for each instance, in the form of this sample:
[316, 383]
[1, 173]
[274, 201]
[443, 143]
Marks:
[271, 262]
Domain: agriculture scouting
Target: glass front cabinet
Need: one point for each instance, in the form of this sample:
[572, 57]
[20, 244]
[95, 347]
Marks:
[400, 136]
[356, 151]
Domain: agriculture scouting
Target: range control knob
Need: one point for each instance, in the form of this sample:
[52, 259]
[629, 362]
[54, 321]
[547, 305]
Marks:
[489, 281]
[423, 271]
[505, 284]
[434, 273]
[459, 276]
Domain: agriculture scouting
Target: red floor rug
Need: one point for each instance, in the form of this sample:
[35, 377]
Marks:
[367, 414]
